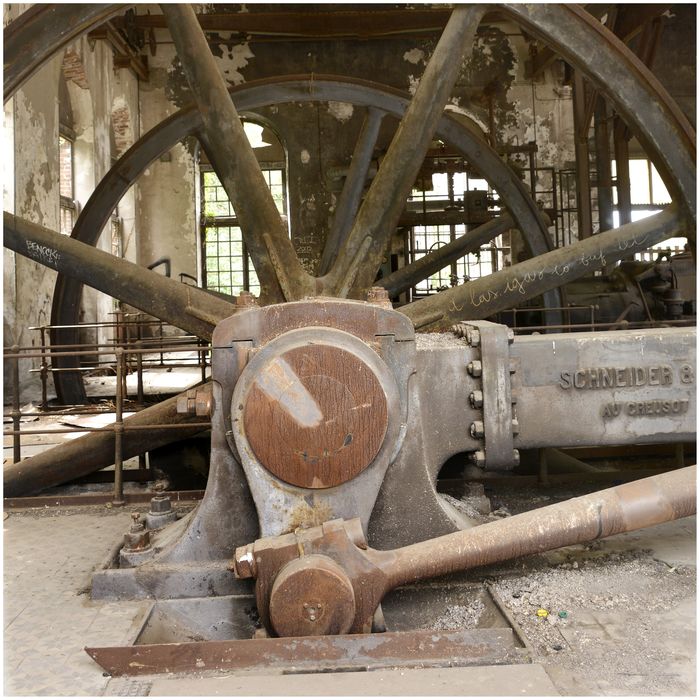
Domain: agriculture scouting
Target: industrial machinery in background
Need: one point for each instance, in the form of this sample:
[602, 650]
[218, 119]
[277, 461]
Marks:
[327, 434]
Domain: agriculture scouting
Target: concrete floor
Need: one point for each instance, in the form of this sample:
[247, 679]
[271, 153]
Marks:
[629, 629]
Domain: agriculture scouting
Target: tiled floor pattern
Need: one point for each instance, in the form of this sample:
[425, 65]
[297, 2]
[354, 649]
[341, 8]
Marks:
[48, 614]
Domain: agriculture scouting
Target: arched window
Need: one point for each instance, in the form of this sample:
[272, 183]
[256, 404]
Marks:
[226, 266]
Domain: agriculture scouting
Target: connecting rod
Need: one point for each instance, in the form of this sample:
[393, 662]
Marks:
[421, 269]
[514, 285]
[326, 580]
[95, 451]
[281, 274]
[356, 267]
[189, 308]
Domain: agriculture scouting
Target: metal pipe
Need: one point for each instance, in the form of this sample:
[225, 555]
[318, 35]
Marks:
[186, 307]
[43, 371]
[514, 285]
[356, 268]
[145, 430]
[623, 508]
[421, 269]
[118, 426]
[16, 439]
[279, 270]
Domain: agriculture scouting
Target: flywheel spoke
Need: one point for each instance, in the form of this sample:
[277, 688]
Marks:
[280, 272]
[421, 269]
[355, 269]
[515, 285]
[349, 200]
[189, 308]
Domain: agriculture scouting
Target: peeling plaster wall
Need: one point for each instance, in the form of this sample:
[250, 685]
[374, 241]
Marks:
[36, 199]
[165, 202]
[31, 180]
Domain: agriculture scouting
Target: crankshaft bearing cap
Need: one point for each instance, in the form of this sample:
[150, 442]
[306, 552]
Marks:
[315, 415]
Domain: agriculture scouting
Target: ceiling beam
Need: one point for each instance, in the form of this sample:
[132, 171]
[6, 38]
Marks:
[370, 21]
[631, 19]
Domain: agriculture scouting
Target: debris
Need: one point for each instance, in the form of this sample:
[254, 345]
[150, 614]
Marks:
[542, 612]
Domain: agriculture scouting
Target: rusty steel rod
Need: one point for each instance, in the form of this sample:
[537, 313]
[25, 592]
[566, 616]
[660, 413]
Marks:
[623, 508]
[118, 428]
[95, 451]
[514, 285]
[421, 269]
[16, 413]
[356, 267]
[186, 307]
[279, 270]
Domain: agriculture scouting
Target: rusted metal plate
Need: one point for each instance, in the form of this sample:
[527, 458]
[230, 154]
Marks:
[316, 416]
[343, 652]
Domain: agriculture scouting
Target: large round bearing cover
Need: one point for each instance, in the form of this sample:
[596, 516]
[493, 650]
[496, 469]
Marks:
[315, 416]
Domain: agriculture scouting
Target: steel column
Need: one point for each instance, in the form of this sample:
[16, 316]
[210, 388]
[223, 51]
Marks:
[583, 182]
[622, 171]
[603, 165]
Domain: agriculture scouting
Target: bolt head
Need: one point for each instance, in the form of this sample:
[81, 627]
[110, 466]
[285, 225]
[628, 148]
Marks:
[511, 335]
[379, 297]
[476, 399]
[476, 429]
[473, 337]
[244, 564]
[246, 300]
[516, 426]
[479, 458]
[516, 458]
[474, 368]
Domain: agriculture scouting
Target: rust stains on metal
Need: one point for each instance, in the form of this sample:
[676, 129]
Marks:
[305, 515]
[374, 573]
[323, 653]
[316, 416]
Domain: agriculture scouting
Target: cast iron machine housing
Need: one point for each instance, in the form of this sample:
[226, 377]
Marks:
[325, 408]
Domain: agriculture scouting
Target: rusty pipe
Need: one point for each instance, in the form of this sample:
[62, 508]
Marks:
[623, 508]
[95, 451]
